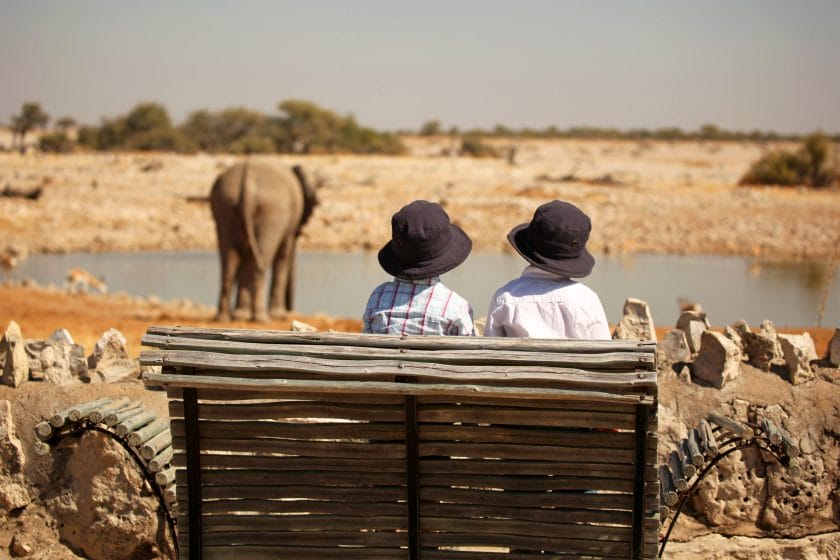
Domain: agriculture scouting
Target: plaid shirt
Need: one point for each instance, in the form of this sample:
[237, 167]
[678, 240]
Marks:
[417, 307]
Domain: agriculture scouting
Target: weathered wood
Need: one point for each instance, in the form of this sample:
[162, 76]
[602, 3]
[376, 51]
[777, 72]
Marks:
[707, 436]
[289, 430]
[790, 445]
[147, 432]
[43, 430]
[165, 477]
[163, 458]
[692, 448]
[667, 487]
[97, 416]
[133, 423]
[291, 409]
[195, 349]
[118, 416]
[41, 448]
[732, 426]
[676, 465]
[390, 341]
[688, 468]
[360, 496]
[325, 449]
[282, 386]
[305, 464]
[771, 431]
[81, 411]
[153, 446]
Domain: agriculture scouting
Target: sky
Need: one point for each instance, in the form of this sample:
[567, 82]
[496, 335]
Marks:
[739, 64]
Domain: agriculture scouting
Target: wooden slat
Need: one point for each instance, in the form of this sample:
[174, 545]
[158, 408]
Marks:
[359, 496]
[242, 477]
[496, 467]
[215, 363]
[390, 341]
[581, 531]
[282, 386]
[221, 429]
[291, 409]
[570, 500]
[198, 353]
[345, 450]
[526, 452]
[524, 417]
[556, 543]
[274, 463]
[521, 434]
[544, 515]
[528, 483]
[283, 523]
[252, 552]
[211, 507]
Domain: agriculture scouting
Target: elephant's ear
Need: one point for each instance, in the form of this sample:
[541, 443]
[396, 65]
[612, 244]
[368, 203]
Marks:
[248, 207]
[310, 195]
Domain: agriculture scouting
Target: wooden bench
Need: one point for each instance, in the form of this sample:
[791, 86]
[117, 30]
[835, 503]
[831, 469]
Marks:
[335, 445]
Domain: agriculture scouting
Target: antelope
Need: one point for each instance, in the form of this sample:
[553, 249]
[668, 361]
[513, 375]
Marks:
[80, 280]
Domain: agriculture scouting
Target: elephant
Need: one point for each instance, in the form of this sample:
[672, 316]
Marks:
[259, 211]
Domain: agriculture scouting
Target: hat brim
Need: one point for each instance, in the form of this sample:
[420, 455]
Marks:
[576, 267]
[456, 253]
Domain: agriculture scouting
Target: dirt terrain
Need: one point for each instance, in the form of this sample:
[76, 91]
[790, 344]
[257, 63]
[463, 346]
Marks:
[642, 197]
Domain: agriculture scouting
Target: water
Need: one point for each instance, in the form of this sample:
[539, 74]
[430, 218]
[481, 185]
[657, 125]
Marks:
[729, 288]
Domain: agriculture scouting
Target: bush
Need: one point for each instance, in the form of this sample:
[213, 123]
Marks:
[472, 145]
[57, 143]
[809, 166]
[160, 140]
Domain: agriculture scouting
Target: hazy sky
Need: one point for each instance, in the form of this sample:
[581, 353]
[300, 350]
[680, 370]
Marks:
[394, 64]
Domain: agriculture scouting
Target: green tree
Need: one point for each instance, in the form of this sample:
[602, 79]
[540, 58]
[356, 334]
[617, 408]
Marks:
[431, 127]
[309, 128]
[146, 117]
[31, 117]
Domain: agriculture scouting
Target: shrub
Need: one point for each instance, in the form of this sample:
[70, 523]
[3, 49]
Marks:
[809, 166]
[472, 145]
[57, 143]
[163, 140]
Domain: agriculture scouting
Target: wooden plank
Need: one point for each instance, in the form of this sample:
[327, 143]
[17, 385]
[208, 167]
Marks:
[199, 353]
[345, 450]
[282, 386]
[557, 544]
[529, 483]
[599, 533]
[543, 515]
[360, 496]
[264, 506]
[220, 429]
[527, 452]
[561, 500]
[260, 366]
[288, 463]
[251, 552]
[386, 341]
[448, 466]
[292, 409]
[524, 417]
[242, 477]
[504, 434]
[283, 523]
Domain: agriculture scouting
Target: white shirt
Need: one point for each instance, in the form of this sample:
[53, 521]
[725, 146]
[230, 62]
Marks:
[540, 304]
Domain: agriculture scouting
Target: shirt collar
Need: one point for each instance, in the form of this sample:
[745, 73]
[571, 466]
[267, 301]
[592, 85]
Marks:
[423, 282]
[532, 271]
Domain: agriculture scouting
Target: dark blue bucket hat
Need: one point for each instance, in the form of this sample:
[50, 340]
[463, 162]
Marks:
[555, 240]
[424, 243]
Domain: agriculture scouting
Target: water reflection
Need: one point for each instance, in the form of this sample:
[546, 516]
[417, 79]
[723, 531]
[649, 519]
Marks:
[729, 288]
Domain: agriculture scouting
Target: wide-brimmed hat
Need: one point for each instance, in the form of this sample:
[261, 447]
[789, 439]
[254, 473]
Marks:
[424, 242]
[555, 240]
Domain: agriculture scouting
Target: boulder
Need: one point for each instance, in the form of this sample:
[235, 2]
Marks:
[637, 322]
[13, 358]
[110, 360]
[760, 350]
[832, 353]
[735, 332]
[798, 351]
[673, 348]
[56, 360]
[768, 329]
[693, 324]
[300, 326]
[718, 361]
[12, 461]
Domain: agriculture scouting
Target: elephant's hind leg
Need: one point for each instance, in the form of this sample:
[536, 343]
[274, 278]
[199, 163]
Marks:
[230, 266]
[283, 280]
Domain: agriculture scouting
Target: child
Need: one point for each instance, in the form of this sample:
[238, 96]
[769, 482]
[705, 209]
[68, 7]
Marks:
[424, 245]
[544, 302]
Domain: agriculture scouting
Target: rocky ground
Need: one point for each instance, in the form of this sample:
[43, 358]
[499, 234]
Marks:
[643, 197]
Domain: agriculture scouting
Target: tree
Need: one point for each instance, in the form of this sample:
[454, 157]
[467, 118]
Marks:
[431, 127]
[309, 127]
[65, 123]
[31, 116]
[146, 117]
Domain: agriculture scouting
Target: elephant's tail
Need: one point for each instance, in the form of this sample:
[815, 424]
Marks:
[248, 206]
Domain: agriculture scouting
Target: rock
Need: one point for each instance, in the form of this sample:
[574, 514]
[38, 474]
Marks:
[300, 326]
[61, 336]
[798, 351]
[693, 324]
[12, 461]
[832, 353]
[760, 350]
[110, 360]
[637, 323]
[718, 360]
[673, 348]
[735, 332]
[13, 358]
[55, 360]
[684, 374]
[19, 547]
[768, 329]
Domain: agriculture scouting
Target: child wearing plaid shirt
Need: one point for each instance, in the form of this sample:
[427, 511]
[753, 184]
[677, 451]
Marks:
[424, 244]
